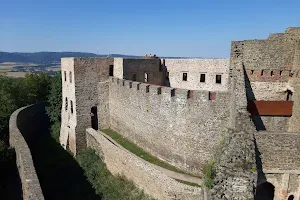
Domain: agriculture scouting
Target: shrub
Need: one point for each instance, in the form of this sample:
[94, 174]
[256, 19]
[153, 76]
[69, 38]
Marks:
[106, 185]
[209, 172]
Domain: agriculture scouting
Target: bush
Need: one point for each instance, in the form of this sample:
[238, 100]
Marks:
[209, 172]
[106, 185]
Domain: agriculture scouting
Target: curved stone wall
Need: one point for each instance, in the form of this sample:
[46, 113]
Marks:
[153, 181]
[23, 124]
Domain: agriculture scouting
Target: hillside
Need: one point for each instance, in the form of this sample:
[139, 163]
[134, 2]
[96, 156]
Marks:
[47, 57]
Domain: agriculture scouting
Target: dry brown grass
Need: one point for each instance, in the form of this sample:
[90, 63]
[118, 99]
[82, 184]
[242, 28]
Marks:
[13, 74]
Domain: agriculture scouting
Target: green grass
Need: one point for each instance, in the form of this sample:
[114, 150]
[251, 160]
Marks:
[188, 183]
[140, 152]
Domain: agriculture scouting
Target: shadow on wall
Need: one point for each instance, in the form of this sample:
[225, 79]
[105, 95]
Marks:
[10, 183]
[167, 80]
[259, 124]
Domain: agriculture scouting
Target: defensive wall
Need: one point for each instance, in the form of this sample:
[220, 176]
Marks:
[280, 160]
[24, 124]
[153, 181]
[179, 126]
[209, 68]
[272, 74]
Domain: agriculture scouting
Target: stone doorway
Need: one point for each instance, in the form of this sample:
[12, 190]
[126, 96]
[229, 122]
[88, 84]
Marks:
[265, 191]
[94, 117]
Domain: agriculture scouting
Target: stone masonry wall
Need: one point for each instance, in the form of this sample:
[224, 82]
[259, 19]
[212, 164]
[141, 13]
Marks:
[180, 126]
[89, 87]
[279, 151]
[154, 182]
[195, 67]
[24, 123]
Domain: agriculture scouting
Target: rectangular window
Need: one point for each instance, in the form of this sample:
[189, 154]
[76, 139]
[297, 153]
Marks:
[252, 71]
[146, 77]
[202, 78]
[65, 75]
[184, 76]
[218, 79]
[71, 102]
[70, 74]
[111, 70]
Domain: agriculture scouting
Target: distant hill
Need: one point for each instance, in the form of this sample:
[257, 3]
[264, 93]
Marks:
[49, 57]
[53, 57]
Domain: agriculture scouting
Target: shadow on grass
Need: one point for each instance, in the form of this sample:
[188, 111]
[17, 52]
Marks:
[59, 173]
[10, 183]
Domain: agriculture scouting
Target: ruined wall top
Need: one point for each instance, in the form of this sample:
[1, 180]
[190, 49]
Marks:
[278, 51]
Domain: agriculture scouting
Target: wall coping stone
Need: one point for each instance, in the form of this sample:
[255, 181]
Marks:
[29, 179]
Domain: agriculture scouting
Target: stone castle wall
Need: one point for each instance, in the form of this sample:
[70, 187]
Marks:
[279, 150]
[195, 67]
[180, 126]
[20, 137]
[88, 88]
[154, 182]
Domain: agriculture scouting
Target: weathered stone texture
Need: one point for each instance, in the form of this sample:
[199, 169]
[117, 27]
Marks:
[20, 136]
[183, 131]
[152, 181]
[195, 67]
[279, 151]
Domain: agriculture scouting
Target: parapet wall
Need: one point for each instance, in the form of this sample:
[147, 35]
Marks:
[180, 126]
[152, 181]
[23, 124]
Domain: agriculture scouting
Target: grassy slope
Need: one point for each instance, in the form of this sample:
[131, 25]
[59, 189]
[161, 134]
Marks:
[139, 151]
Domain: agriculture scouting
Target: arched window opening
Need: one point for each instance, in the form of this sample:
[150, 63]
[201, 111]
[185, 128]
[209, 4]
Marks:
[291, 197]
[289, 95]
[265, 191]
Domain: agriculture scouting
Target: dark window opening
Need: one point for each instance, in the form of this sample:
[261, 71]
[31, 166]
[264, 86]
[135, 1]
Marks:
[172, 92]
[158, 90]
[265, 191]
[66, 106]
[184, 76]
[134, 77]
[71, 106]
[291, 197]
[111, 70]
[272, 73]
[218, 79]
[94, 117]
[70, 74]
[65, 75]
[262, 72]
[289, 95]
[202, 78]
[146, 78]
[280, 72]
[147, 88]
[252, 72]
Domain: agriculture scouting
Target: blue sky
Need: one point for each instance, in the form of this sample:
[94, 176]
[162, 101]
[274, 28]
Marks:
[192, 28]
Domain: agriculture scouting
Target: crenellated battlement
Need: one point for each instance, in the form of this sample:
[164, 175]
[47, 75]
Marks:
[169, 92]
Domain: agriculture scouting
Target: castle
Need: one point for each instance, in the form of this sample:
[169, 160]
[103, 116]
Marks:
[180, 110]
